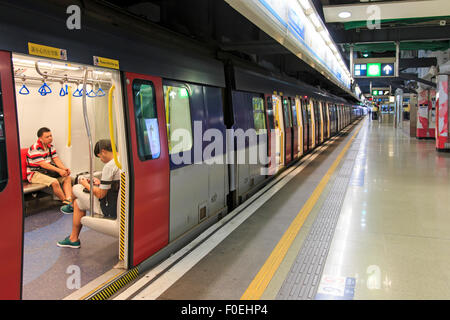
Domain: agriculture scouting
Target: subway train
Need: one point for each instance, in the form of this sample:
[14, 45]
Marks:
[169, 105]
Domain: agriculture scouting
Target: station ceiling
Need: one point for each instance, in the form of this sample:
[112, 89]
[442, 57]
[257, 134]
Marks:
[216, 24]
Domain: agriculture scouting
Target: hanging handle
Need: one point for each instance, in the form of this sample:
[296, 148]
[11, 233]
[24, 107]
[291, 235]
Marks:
[24, 90]
[44, 89]
[100, 92]
[91, 94]
[78, 93]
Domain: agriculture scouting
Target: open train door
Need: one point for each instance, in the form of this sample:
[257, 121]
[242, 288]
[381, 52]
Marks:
[150, 165]
[11, 201]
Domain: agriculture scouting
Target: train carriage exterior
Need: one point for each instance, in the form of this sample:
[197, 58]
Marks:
[161, 101]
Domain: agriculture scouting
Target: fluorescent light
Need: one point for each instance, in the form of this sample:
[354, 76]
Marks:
[315, 20]
[57, 66]
[325, 36]
[305, 4]
[344, 14]
[102, 73]
[44, 64]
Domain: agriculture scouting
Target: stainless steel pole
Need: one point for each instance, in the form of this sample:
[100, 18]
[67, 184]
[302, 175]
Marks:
[88, 131]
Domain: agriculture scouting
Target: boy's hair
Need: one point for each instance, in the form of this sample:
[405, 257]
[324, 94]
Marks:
[103, 144]
[42, 130]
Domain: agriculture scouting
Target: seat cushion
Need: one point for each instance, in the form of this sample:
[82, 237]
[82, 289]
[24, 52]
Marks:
[23, 162]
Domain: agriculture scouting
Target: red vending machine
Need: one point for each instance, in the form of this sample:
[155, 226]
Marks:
[442, 115]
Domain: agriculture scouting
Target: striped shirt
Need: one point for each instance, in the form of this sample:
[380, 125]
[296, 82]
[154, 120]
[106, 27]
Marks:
[36, 154]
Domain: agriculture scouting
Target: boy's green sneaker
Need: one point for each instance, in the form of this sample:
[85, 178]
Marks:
[66, 243]
[67, 209]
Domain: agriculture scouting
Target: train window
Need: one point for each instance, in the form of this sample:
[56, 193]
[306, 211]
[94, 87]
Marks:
[294, 113]
[258, 115]
[178, 119]
[287, 114]
[270, 115]
[146, 119]
[3, 163]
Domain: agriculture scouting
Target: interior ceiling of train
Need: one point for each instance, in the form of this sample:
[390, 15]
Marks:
[217, 24]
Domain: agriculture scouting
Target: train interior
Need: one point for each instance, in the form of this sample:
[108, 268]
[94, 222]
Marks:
[49, 94]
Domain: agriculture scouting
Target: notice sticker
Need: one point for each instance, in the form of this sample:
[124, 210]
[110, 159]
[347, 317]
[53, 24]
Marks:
[46, 51]
[106, 62]
[336, 288]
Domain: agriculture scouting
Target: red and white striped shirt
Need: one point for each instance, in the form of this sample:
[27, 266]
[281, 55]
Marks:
[37, 154]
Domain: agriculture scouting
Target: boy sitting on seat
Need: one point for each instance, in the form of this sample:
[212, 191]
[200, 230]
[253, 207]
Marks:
[105, 194]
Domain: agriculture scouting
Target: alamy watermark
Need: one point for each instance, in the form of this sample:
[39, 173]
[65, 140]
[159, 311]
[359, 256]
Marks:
[73, 22]
[235, 146]
[73, 282]
[373, 17]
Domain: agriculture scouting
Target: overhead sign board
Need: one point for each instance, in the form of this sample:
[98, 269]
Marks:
[374, 67]
[373, 70]
[46, 51]
[106, 62]
[380, 92]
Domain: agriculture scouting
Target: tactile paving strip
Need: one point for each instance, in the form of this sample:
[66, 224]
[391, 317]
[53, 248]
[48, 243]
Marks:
[304, 276]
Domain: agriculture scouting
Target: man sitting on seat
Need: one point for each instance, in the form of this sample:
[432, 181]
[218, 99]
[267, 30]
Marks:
[105, 193]
[45, 167]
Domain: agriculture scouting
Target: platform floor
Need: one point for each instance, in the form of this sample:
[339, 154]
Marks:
[380, 221]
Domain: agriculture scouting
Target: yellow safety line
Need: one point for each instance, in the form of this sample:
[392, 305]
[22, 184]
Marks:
[111, 127]
[265, 274]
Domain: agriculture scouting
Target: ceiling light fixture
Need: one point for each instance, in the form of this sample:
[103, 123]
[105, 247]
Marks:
[344, 14]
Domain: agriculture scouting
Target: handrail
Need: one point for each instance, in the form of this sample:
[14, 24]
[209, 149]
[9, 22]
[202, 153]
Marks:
[59, 78]
[111, 127]
[88, 131]
[69, 102]
[167, 107]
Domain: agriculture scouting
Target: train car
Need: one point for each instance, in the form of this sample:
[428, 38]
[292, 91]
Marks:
[167, 109]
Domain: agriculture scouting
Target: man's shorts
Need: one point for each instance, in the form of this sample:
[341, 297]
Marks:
[83, 199]
[45, 179]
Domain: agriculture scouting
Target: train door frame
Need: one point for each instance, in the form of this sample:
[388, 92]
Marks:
[336, 119]
[311, 126]
[316, 116]
[271, 157]
[322, 121]
[295, 134]
[339, 120]
[305, 125]
[287, 128]
[279, 123]
[11, 194]
[298, 106]
[145, 172]
[327, 111]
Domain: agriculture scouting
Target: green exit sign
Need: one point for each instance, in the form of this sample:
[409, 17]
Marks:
[373, 69]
